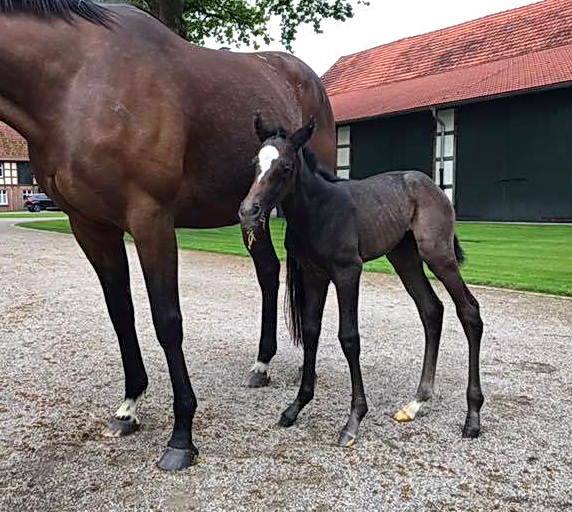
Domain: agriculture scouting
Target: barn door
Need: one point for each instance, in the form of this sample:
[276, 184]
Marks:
[444, 166]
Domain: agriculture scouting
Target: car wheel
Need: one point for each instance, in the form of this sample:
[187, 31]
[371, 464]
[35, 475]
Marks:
[36, 208]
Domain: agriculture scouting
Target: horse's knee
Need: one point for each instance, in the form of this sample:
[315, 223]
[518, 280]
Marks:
[311, 332]
[470, 315]
[433, 314]
[350, 341]
[268, 273]
[169, 327]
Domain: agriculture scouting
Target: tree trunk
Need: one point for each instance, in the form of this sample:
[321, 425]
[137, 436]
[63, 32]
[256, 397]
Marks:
[170, 12]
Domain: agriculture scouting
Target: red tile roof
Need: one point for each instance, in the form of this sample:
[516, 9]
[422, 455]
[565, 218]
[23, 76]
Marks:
[517, 50]
[12, 145]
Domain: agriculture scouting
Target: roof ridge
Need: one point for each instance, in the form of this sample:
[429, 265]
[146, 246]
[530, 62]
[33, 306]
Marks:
[449, 27]
[456, 68]
[447, 71]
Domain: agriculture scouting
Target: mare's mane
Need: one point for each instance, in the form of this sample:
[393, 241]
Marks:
[59, 9]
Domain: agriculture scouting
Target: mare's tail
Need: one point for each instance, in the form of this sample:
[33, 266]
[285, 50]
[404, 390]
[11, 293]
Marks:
[295, 299]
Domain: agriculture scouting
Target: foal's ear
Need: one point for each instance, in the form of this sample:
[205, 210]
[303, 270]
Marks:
[302, 135]
[263, 129]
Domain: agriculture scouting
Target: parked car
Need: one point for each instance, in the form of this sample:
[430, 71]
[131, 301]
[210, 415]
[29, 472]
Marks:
[39, 202]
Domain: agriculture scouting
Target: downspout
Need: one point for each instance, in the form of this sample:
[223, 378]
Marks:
[441, 147]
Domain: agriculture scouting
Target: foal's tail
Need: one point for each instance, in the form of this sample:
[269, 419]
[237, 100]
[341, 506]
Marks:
[459, 253]
[295, 299]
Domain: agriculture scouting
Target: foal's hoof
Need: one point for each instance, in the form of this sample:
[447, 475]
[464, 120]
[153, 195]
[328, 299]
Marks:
[471, 432]
[402, 416]
[286, 421]
[257, 380]
[121, 428]
[472, 426]
[347, 440]
[175, 459]
[408, 413]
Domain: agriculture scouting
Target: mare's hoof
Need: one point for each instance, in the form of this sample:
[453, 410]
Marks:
[285, 421]
[347, 440]
[257, 380]
[175, 459]
[121, 428]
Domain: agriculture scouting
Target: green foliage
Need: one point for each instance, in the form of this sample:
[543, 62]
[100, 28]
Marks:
[246, 21]
[522, 257]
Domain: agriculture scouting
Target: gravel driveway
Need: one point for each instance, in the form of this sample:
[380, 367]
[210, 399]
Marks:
[61, 379]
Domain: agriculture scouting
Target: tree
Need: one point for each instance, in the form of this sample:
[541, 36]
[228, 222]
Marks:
[246, 21]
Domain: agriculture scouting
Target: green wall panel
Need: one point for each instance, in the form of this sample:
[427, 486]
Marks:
[392, 144]
[514, 158]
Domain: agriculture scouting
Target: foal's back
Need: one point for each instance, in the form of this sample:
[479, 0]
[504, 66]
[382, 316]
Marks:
[387, 205]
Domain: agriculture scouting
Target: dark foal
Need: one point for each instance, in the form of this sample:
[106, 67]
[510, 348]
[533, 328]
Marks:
[132, 129]
[333, 227]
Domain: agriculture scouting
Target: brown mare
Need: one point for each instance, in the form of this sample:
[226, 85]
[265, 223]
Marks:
[334, 226]
[132, 129]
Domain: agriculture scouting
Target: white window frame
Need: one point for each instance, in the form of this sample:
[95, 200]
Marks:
[4, 197]
[343, 167]
[1, 169]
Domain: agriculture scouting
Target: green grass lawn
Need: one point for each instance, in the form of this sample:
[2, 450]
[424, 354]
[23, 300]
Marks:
[522, 257]
[30, 215]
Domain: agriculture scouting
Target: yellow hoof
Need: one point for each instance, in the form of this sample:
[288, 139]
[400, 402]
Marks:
[402, 416]
[408, 412]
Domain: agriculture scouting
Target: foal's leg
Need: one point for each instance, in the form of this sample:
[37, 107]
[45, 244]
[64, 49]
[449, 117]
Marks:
[105, 249]
[346, 281]
[259, 245]
[316, 289]
[154, 234]
[446, 268]
[409, 266]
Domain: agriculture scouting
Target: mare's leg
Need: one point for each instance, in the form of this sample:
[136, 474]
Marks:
[153, 230]
[346, 281]
[444, 265]
[315, 289]
[105, 249]
[259, 245]
[409, 266]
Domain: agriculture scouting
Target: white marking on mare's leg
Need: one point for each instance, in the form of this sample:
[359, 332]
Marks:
[259, 367]
[128, 411]
[266, 156]
[408, 412]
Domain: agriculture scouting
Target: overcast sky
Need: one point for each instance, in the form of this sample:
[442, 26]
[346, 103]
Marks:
[384, 21]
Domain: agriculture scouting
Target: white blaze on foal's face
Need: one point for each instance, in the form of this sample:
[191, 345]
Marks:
[266, 156]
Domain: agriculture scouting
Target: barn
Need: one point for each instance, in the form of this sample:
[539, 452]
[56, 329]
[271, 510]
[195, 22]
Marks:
[16, 177]
[484, 107]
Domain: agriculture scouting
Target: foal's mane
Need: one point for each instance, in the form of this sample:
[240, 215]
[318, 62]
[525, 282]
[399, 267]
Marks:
[59, 9]
[318, 167]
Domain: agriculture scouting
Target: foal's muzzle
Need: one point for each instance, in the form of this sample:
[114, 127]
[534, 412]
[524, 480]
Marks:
[250, 212]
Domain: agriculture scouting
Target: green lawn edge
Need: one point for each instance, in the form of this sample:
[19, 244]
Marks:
[524, 257]
[30, 215]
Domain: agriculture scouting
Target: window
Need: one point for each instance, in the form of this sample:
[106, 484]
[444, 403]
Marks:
[25, 176]
[343, 166]
[3, 197]
[1, 170]
[26, 193]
